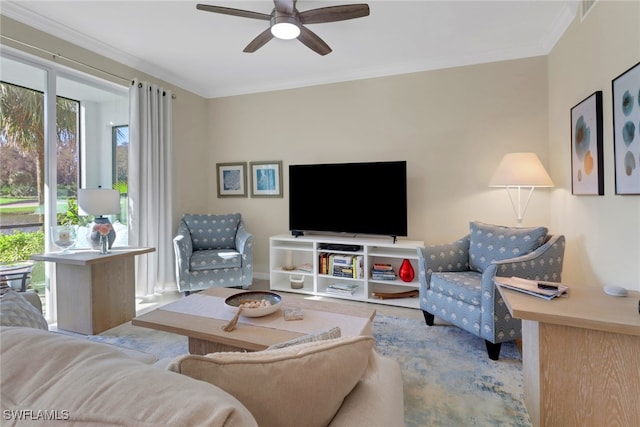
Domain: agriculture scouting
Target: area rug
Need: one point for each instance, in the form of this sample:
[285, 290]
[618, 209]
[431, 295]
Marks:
[448, 378]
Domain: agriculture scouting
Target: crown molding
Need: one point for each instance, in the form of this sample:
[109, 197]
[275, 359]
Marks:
[18, 13]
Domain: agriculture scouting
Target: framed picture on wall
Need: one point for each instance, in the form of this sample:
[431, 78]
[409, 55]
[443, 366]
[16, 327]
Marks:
[266, 179]
[587, 160]
[626, 130]
[232, 178]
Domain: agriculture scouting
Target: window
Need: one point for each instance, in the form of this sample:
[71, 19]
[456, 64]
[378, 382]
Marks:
[43, 166]
[120, 164]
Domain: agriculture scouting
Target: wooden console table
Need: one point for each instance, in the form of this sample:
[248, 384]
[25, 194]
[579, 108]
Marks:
[581, 357]
[94, 292]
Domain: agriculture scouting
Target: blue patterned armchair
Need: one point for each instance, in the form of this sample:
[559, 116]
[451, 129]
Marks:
[213, 250]
[457, 279]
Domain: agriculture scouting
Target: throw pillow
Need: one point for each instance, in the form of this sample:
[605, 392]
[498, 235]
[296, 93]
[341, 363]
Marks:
[319, 336]
[302, 385]
[489, 243]
[15, 310]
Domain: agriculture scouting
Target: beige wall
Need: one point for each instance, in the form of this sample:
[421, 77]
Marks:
[452, 126]
[603, 232]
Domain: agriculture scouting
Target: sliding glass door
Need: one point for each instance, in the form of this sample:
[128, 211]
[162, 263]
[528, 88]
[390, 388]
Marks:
[56, 137]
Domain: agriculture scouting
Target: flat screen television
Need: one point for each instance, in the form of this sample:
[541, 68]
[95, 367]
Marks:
[353, 198]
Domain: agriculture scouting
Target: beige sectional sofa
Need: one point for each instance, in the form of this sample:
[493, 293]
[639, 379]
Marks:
[74, 381]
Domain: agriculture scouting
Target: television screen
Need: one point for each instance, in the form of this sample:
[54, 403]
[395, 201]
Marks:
[355, 198]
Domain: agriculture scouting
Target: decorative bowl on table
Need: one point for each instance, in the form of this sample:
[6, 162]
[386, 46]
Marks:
[254, 303]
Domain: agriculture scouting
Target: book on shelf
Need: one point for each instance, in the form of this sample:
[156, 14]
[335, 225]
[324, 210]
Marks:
[382, 267]
[342, 259]
[323, 264]
[342, 288]
[341, 265]
[358, 267]
[308, 267]
[383, 276]
[536, 288]
[343, 272]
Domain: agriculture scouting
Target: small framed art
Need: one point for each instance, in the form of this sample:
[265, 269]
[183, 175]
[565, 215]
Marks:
[232, 178]
[266, 179]
[587, 159]
[626, 130]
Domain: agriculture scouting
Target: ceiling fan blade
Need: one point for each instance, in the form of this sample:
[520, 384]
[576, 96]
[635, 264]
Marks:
[233, 12]
[259, 41]
[333, 13]
[313, 42]
[285, 6]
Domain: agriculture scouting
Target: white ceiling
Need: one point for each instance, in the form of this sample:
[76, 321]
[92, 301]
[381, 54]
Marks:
[202, 51]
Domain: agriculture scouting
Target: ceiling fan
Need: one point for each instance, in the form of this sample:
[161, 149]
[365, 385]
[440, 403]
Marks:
[286, 22]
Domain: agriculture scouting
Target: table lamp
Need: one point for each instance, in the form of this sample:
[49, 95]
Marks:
[98, 202]
[517, 171]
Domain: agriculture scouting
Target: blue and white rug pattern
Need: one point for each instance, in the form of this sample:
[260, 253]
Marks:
[448, 378]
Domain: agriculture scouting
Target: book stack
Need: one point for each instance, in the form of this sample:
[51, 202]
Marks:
[347, 289]
[383, 272]
[349, 266]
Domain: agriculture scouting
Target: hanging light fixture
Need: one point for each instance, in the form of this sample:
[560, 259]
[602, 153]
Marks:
[284, 27]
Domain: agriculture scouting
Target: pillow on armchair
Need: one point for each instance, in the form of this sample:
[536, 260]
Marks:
[16, 310]
[488, 243]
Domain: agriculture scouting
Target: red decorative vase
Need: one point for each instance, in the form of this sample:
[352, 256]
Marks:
[406, 272]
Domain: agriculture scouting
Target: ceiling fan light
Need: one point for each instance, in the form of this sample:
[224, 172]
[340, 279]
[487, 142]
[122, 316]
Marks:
[285, 28]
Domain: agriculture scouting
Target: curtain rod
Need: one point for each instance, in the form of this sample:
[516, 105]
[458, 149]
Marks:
[58, 55]
[164, 92]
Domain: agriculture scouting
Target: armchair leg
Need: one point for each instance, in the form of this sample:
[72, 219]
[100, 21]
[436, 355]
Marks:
[493, 350]
[428, 317]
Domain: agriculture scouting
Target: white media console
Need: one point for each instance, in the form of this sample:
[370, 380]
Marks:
[287, 251]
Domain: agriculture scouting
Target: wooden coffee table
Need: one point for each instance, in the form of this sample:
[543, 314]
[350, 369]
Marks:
[202, 316]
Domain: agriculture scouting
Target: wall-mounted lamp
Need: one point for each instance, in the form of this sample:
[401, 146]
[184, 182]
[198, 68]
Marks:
[517, 171]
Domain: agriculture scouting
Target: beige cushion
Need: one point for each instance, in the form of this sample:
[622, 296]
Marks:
[302, 385]
[97, 385]
[377, 400]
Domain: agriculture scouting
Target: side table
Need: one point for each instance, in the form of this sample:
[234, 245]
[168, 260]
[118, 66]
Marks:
[95, 292]
[581, 357]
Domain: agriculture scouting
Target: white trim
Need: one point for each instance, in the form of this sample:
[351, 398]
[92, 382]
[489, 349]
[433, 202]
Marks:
[586, 6]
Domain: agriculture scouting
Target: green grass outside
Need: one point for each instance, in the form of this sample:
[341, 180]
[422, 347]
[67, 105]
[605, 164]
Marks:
[5, 200]
[17, 210]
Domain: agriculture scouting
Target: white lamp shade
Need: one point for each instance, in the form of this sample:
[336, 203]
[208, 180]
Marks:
[521, 170]
[99, 201]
